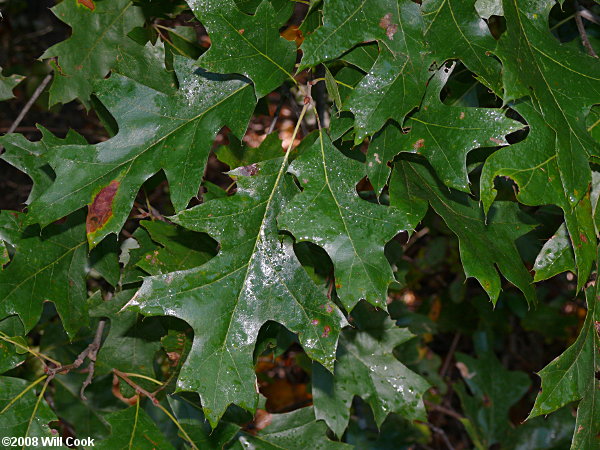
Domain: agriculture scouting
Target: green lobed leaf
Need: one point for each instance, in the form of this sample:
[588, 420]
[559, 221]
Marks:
[351, 230]
[46, 267]
[493, 391]
[454, 30]
[32, 157]
[572, 377]
[396, 82]
[366, 366]
[484, 245]
[443, 134]
[534, 166]
[98, 28]
[563, 85]
[156, 131]
[7, 85]
[255, 278]
[248, 45]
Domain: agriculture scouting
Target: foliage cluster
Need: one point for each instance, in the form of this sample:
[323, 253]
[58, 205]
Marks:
[420, 243]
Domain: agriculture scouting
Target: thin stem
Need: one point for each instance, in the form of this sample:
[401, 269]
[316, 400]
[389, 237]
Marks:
[168, 41]
[137, 411]
[177, 424]
[23, 392]
[4, 337]
[140, 390]
[584, 38]
[37, 404]
[594, 125]
[341, 83]
[143, 377]
[562, 22]
[28, 105]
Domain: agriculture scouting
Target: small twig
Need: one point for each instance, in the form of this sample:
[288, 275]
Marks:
[584, 39]
[589, 15]
[450, 354]
[442, 409]
[135, 386]
[93, 352]
[442, 434]
[415, 237]
[65, 368]
[319, 96]
[28, 105]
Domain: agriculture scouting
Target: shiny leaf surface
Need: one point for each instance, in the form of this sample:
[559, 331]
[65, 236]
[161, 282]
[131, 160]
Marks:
[254, 278]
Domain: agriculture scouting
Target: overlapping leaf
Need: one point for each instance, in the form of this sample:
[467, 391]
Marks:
[484, 245]
[563, 84]
[352, 231]
[32, 157]
[254, 278]
[572, 377]
[454, 30]
[244, 44]
[156, 131]
[50, 267]
[533, 164]
[366, 367]
[396, 82]
[443, 134]
[97, 30]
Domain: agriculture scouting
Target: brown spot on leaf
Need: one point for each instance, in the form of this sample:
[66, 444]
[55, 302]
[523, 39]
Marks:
[583, 238]
[389, 27]
[326, 331]
[497, 141]
[89, 4]
[462, 115]
[249, 171]
[314, 322]
[241, 31]
[419, 144]
[100, 210]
